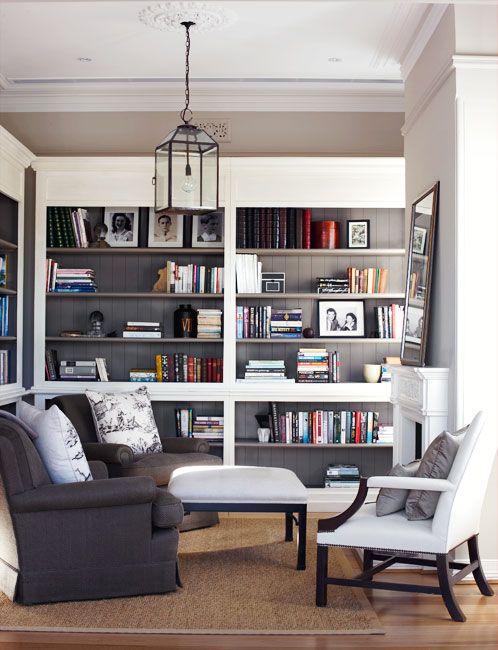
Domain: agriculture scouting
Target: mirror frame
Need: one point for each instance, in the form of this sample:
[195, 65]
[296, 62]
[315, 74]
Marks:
[412, 360]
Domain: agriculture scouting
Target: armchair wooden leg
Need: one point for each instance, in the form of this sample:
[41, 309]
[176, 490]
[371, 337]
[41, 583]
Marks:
[446, 586]
[367, 560]
[322, 554]
[480, 578]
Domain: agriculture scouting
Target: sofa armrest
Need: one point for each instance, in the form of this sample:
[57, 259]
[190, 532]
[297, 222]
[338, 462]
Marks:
[87, 494]
[411, 483]
[332, 523]
[109, 453]
[167, 510]
[184, 445]
[98, 469]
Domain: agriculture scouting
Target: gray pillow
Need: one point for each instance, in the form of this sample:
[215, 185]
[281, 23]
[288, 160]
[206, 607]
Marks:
[435, 463]
[394, 499]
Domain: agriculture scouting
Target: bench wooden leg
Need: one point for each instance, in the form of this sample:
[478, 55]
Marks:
[289, 523]
[301, 540]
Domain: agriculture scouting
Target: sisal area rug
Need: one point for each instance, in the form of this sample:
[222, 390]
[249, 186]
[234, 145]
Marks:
[239, 578]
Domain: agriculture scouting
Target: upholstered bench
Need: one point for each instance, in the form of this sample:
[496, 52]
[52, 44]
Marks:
[245, 489]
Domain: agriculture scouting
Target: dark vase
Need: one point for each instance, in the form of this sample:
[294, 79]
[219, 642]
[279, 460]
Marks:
[185, 322]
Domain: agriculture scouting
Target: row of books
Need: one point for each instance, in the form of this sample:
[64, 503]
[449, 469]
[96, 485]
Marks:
[342, 476]
[201, 426]
[4, 367]
[209, 323]
[415, 289]
[323, 427]
[193, 278]
[248, 273]
[60, 280]
[264, 322]
[264, 370]
[371, 280]
[180, 367]
[389, 321]
[3, 269]
[67, 228]
[272, 228]
[317, 366]
[4, 315]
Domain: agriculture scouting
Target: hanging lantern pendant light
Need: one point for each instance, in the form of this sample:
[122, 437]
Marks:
[186, 169]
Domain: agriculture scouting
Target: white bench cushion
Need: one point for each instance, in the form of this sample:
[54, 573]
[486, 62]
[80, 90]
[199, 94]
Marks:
[236, 484]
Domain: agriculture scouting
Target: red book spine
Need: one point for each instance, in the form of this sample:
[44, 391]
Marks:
[357, 427]
[204, 370]
[190, 369]
[209, 370]
[307, 228]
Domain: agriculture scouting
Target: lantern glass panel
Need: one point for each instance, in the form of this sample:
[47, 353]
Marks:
[161, 186]
[185, 189]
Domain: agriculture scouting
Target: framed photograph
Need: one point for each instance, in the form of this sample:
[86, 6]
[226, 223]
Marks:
[341, 318]
[359, 233]
[414, 325]
[165, 230]
[208, 230]
[122, 224]
[419, 236]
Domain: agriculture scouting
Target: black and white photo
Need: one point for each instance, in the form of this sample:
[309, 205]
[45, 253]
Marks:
[165, 230]
[414, 325]
[419, 237]
[122, 224]
[341, 318]
[207, 230]
[359, 233]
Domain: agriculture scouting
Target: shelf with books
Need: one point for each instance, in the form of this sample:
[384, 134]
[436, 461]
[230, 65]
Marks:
[136, 251]
[324, 252]
[109, 340]
[315, 446]
[324, 341]
[154, 295]
[7, 292]
[332, 392]
[6, 245]
[322, 296]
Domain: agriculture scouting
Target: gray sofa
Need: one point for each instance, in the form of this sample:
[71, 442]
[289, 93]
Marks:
[120, 461]
[96, 539]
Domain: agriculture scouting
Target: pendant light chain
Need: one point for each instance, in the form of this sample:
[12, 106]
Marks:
[183, 114]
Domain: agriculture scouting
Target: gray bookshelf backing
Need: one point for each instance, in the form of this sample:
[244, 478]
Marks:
[309, 462]
[8, 232]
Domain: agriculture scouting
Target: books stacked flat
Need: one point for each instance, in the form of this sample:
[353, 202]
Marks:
[78, 370]
[143, 374]
[385, 435]
[264, 370]
[286, 324]
[317, 366]
[248, 272]
[180, 367]
[209, 323]
[208, 427]
[4, 367]
[332, 285]
[142, 330]
[68, 280]
[369, 280]
[389, 321]
[193, 278]
[342, 476]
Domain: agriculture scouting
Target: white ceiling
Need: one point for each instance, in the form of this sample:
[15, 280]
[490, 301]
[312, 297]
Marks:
[275, 56]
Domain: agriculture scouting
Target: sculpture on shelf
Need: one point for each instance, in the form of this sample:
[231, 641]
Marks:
[162, 284]
[96, 319]
[308, 332]
[100, 231]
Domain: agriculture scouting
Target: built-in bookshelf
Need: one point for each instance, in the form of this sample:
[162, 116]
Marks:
[14, 158]
[337, 189]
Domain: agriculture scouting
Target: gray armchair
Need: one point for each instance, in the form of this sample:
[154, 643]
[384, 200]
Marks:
[96, 539]
[120, 460]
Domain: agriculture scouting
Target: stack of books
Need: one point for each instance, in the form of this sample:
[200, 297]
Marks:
[4, 315]
[263, 370]
[4, 367]
[248, 273]
[68, 280]
[389, 320]
[180, 367]
[342, 476]
[209, 323]
[143, 374]
[209, 427]
[184, 422]
[317, 366]
[78, 370]
[193, 278]
[369, 280]
[142, 330]
[286, 323]
[385, 435]
[332, 285]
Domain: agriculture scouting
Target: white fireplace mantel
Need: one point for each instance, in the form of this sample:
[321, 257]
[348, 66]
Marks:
[418, 395]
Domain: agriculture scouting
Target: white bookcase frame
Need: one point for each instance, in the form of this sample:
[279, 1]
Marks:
[244, 182]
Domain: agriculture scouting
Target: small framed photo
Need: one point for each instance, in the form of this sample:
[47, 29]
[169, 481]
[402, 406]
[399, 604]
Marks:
[414, 325]
[341, 318]
[359, 233]
[165, 230]
[122, 224]
[208, 230]
[419, 237]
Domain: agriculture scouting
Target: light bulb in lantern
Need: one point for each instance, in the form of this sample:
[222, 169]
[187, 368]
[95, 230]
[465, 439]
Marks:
[189, 183]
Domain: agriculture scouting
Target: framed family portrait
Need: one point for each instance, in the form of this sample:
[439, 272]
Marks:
[359, 233]
[208, 230]
[419, 237]
[341, 318]
[122, 225]
[165, 230]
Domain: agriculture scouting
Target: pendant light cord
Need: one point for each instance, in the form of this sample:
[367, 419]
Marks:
[186, 110]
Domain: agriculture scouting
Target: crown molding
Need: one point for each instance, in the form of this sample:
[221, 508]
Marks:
[4, 82]
[14, 150]
[475, 62]
[261, 96]
[421, 37]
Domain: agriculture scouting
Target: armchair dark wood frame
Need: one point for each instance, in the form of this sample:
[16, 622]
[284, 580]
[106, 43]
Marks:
[442, 562]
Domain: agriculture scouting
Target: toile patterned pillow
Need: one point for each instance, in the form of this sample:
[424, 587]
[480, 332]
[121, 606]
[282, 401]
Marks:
[125, 418]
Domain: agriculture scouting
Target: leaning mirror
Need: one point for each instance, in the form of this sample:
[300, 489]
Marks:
[418, 278]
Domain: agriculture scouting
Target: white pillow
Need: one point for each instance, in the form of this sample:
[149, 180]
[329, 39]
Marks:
[57, 443]
[126, 418]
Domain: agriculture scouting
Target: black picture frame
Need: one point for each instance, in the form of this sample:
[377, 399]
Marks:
[350, 234]
[343, 309]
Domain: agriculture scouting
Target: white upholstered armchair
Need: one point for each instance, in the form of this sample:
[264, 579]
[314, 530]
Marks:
[393, 538]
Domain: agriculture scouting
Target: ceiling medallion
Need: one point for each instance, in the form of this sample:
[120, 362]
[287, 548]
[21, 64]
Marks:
[169, 16]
